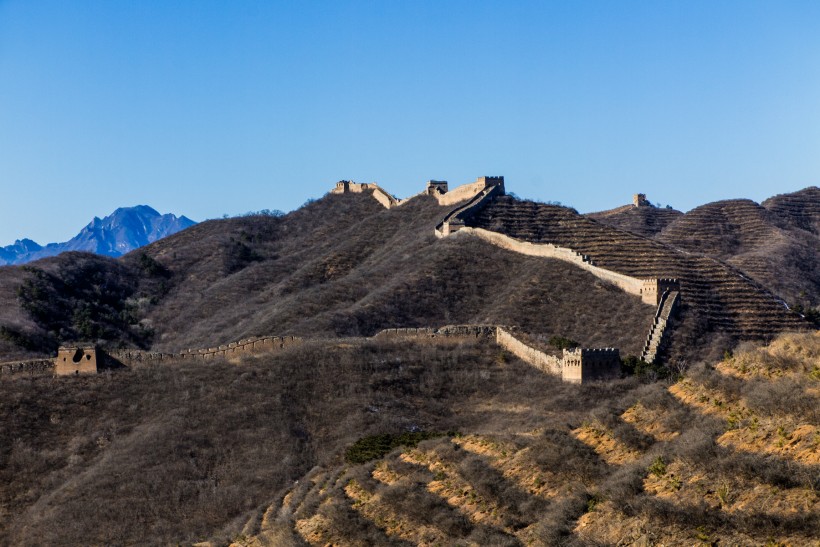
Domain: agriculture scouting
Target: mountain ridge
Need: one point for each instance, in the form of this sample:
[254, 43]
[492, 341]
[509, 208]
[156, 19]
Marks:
[781, 233]
[124, 230]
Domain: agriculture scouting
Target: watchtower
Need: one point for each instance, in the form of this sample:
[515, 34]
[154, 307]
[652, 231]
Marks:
[639, 200]
[436, 187]
[652, 289]
[492, 181]
[581, 365]
[79, 359]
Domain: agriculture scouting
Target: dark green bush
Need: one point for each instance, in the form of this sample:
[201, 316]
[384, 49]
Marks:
[377, 446]
[561, 342]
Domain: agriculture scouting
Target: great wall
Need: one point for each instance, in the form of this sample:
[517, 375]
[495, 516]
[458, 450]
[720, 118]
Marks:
[574, 365]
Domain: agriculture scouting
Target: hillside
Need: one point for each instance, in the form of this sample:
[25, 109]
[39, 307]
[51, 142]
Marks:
[349, 440]
[253, 452]
[717, 457]
[776, 243]
[346, 266]
[719, 301]
[646, 220]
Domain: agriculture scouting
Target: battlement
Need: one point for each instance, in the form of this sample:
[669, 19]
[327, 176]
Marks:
[491, 181]
[348, 186]
[652, 289]
[581, 365]
[592, 352]
[436, 187]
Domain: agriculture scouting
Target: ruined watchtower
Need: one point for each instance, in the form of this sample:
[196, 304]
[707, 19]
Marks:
[639, 200]
[436, 187]
[79, 359]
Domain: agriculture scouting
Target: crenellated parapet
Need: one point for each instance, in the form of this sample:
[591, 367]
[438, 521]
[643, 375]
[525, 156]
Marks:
[232, 350]
[449, 331]
[381, 195]
[581, 365]
[439, 189]
[436, 187]
[652, 289]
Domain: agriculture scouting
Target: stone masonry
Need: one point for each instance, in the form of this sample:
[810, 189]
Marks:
[582, 365]
[73, 360]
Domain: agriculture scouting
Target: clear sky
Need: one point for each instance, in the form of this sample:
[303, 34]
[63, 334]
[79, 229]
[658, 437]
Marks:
[206, 108]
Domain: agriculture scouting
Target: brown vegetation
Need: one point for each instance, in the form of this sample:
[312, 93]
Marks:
[645, 221]
[345, 266]
[708, 458]
[776, 243]
[717, 300]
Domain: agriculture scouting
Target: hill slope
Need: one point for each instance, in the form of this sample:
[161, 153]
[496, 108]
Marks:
[646, 220]
[776, 243]
[713, 457]
[257, 452]
[718, 298]
[345, 266]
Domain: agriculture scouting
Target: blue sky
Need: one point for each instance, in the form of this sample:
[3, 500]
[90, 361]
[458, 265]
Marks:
[206, 108]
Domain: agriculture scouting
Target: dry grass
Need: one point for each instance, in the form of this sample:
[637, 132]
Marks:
[340, 266]
[655, 463]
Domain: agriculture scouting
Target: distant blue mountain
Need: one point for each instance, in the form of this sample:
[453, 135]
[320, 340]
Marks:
[124, 230]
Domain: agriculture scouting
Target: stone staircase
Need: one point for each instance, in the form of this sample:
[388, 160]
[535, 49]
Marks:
[655, 340]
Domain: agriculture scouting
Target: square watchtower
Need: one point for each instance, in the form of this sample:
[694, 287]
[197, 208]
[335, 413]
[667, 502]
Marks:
[73, 360]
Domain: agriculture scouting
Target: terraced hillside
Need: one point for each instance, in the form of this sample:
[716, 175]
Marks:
[800, 209]
[721, 456]
[645, 221]
[776, 243]
[340, 266]
[720, 297]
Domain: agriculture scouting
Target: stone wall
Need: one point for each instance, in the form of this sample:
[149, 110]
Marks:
[631, 285]
[379, 194]
[457, 219]
[28, 366]
[540, 360]
[653, 289]
[248, 346]
[135, 357]
[656, 338]
[579, 366]
[449, 331]
[436, 188]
